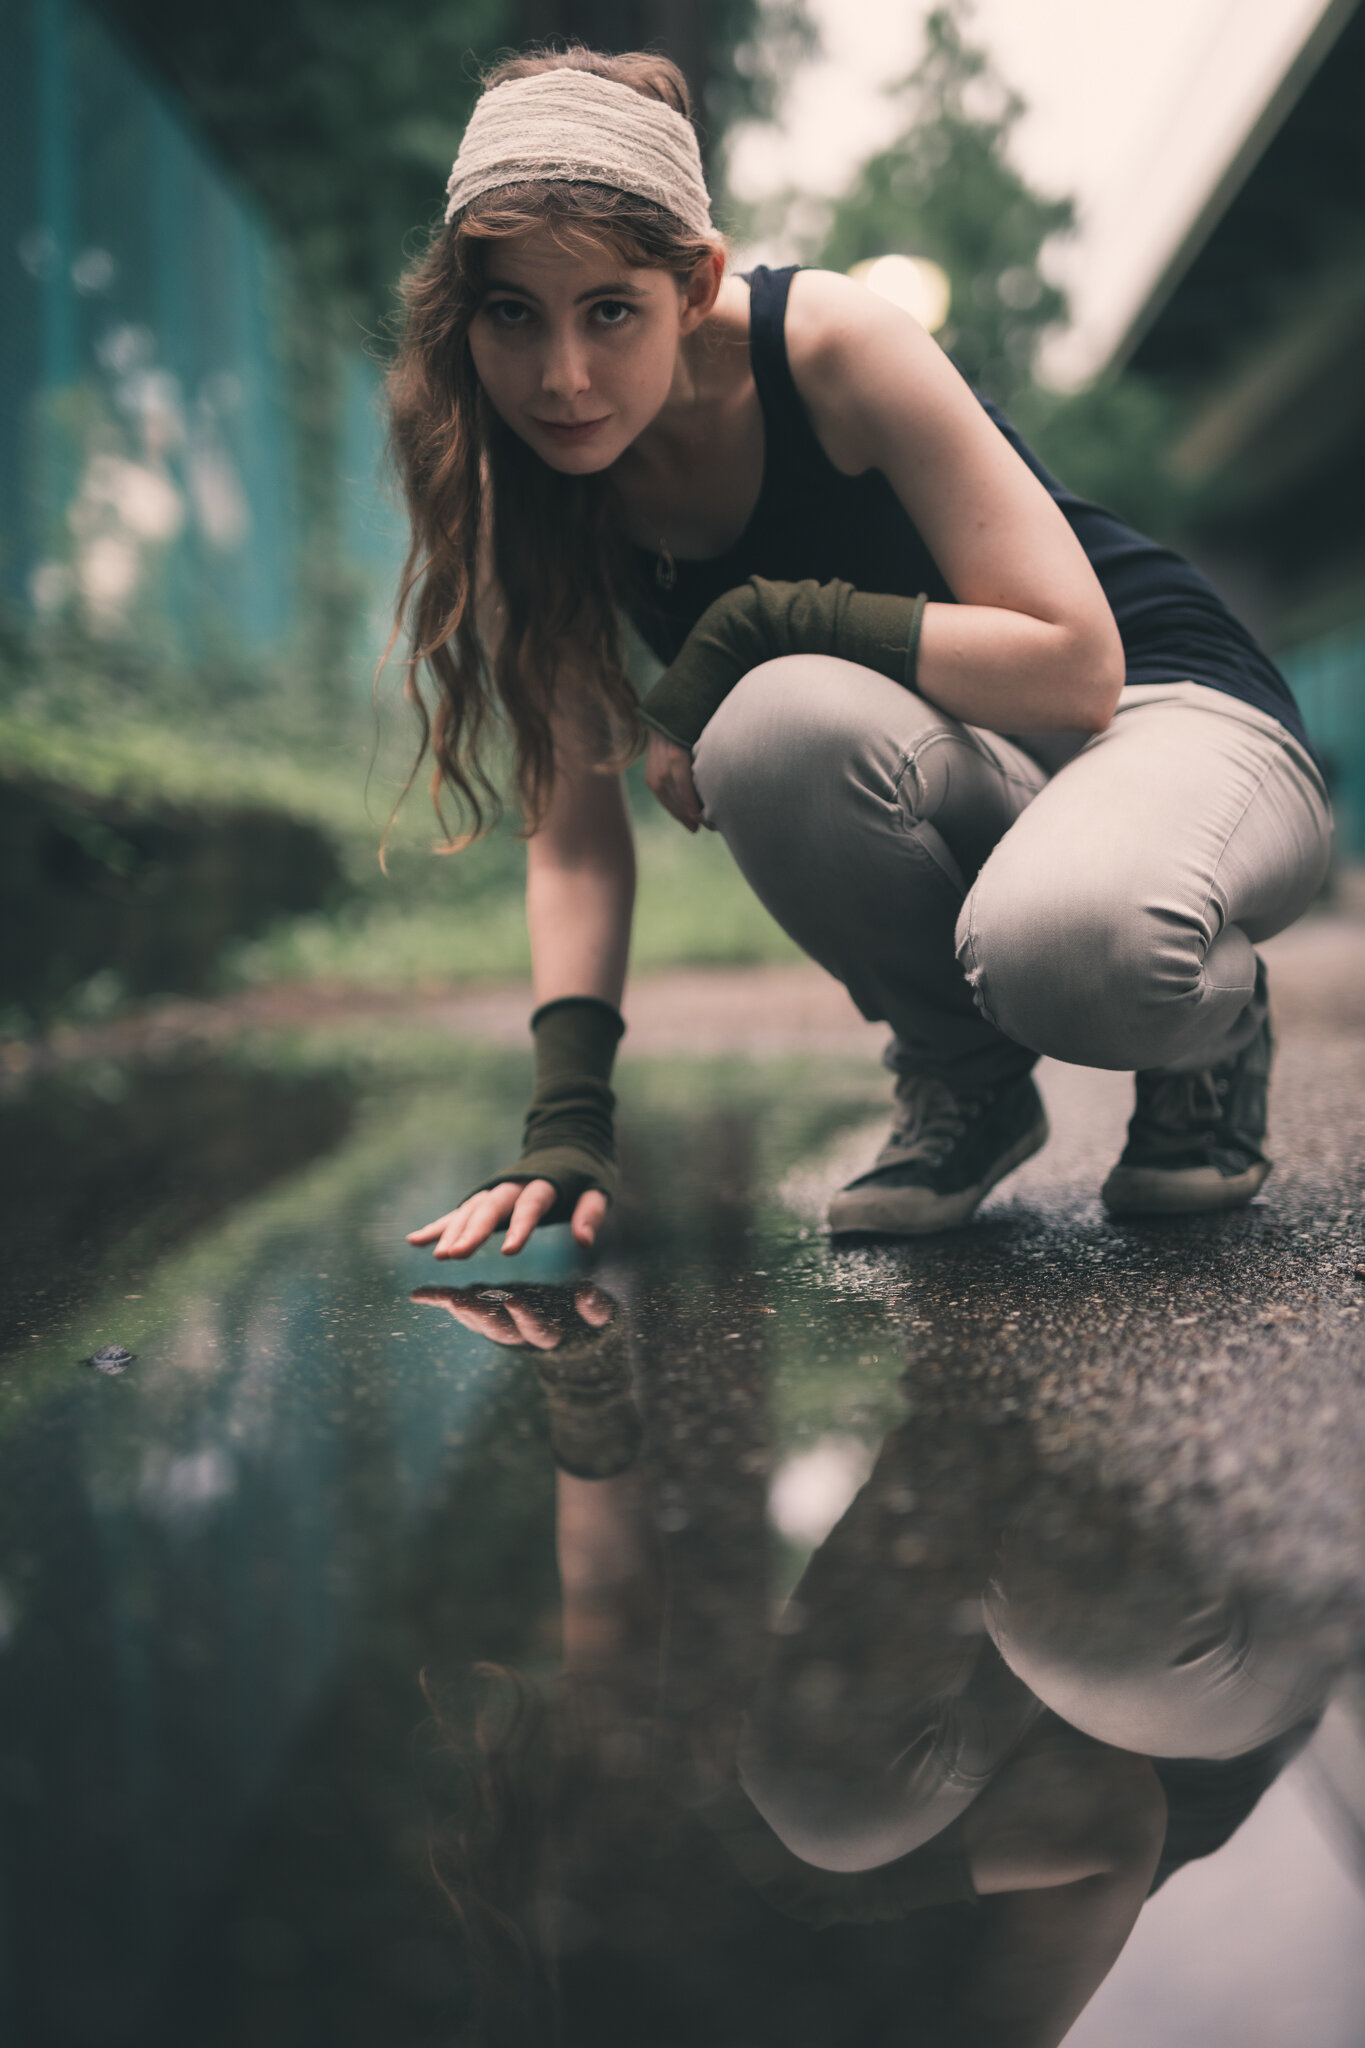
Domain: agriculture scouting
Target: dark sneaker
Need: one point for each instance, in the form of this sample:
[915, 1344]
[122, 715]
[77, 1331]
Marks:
[1195, 1139]
[946, 1150]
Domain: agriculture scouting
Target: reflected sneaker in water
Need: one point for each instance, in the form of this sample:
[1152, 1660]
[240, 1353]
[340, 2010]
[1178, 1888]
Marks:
[946, 1150]
[1195, 1139]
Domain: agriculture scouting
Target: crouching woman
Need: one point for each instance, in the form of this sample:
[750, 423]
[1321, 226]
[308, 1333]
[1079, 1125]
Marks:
[1009, 770]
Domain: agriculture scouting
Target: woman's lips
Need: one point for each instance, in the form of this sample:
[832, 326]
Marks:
[571, 430]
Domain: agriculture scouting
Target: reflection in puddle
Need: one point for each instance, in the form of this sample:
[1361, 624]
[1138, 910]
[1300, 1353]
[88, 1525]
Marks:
[766, 1644]
[991, 1720]
[99, 1157]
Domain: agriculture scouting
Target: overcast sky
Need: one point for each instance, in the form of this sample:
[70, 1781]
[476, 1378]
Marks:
[1135, 108]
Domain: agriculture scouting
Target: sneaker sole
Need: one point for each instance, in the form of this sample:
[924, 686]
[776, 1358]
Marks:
[919, 1212]
[1148, 1191]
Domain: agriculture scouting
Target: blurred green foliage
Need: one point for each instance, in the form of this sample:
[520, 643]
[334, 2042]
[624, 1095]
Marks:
[945, 188]
[166, 736]
[1109, 442]
[344, 121]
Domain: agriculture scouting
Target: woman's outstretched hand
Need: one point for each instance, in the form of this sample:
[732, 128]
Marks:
[520, 1205]
[668, 772]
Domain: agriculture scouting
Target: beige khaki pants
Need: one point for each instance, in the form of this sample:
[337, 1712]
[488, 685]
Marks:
[988, 910]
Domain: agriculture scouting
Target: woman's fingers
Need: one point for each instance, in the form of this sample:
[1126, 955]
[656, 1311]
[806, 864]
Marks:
[521, 1315]
[463, 1230]
[521, 1207]
[657, 752]
[686, 803]
[492, 1321]
[668, 773]
[535, 1200]
[447, 1230]
[540, 1332]
[595, 1307]
[588, 1215]
[429, 1231]
[475, 1221]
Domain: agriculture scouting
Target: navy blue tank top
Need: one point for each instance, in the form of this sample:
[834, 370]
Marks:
[813, 521]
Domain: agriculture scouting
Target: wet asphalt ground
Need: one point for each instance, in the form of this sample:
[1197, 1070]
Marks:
[224, 1565]
[1213, 1366]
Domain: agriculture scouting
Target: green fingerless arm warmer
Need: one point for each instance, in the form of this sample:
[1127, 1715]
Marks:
[760, 620]
[568, 1138]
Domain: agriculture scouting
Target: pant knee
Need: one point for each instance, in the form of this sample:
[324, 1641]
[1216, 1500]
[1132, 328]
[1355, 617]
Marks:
[748, 744]
[803, 745]
[1095, 982]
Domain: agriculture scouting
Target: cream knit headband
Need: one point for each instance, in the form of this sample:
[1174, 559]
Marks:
[572, 127]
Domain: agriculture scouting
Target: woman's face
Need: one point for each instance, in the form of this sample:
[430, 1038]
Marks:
[577, 350]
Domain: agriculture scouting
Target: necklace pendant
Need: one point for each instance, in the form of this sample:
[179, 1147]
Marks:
[665, 568]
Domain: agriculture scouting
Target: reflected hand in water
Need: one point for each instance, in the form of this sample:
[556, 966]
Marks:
[537, 1318]
[577, 1339]
[520, 1205]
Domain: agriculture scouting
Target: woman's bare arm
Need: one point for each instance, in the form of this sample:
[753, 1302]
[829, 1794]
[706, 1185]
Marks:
[1031, 644]
[580, 894]
[580, 886]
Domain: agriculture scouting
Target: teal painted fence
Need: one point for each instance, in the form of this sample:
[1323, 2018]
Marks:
[1328, 678]
[373, 523]
[146, 465]
[148, 459]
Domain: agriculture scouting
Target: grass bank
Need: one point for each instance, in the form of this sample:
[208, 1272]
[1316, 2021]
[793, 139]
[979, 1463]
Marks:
[431, 919]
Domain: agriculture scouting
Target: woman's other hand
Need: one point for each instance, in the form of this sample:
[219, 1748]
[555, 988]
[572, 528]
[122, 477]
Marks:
[668, 772]
[519, 1205]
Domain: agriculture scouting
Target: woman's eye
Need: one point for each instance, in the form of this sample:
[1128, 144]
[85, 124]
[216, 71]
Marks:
[508, 313]
[613, 312]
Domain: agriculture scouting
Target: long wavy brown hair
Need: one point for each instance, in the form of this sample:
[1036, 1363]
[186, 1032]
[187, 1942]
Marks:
[477, 496]
[579, 1877]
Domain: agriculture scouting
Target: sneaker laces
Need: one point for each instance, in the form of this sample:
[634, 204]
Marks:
[929, 1120]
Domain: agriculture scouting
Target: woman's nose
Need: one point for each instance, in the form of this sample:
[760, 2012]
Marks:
[565, 371]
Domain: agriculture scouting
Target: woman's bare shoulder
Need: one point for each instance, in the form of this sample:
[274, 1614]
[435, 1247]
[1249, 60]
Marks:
[824, 301]
[830, 317]
[850, 352]
[866, 369]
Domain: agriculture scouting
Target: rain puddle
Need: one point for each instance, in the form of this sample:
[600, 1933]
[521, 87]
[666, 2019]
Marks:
[732, 1640]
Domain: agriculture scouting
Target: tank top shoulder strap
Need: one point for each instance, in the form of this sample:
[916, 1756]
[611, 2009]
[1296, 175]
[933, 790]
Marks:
[783, 410]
